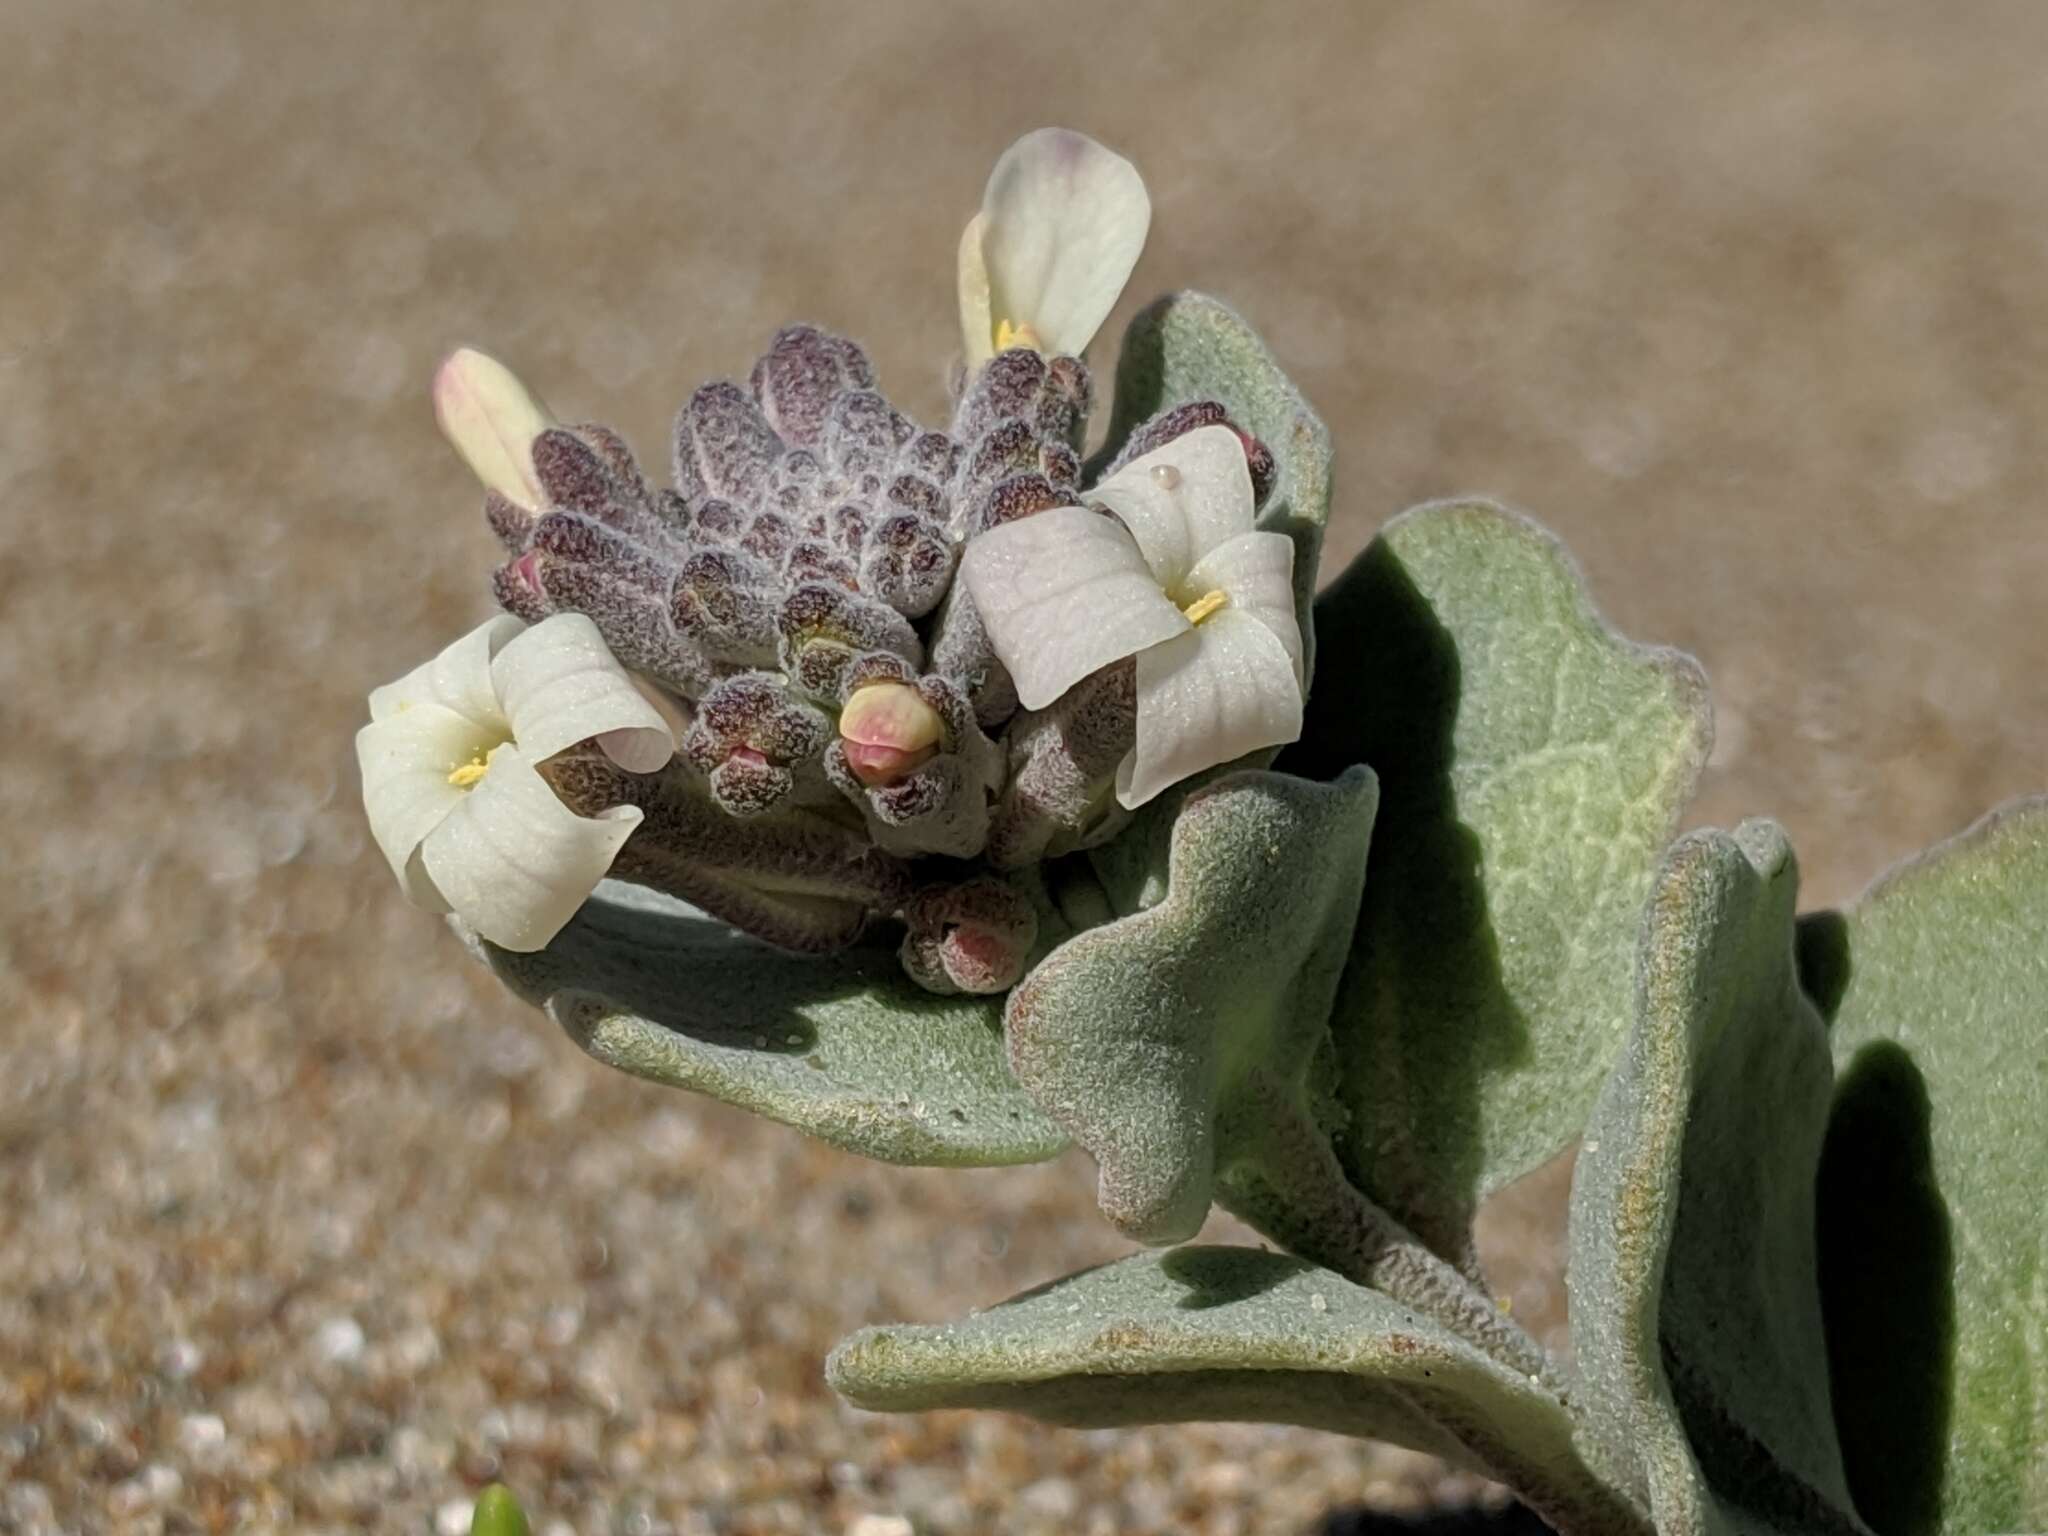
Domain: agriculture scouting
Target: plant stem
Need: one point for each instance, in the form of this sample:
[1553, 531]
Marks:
[1292, 1188]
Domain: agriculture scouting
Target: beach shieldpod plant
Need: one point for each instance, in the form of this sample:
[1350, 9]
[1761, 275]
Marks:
[963, 796]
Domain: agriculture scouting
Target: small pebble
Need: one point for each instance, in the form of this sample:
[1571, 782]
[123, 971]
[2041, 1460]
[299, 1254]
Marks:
[339, 1341]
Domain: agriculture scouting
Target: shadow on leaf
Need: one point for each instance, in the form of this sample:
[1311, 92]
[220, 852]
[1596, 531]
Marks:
[1514, 1520]
[1387, 694]
[696, 976]
[1217, 1277]
[1887, 1291]
[1821, 951]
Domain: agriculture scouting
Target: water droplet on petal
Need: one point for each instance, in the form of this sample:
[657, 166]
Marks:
[1166, 477]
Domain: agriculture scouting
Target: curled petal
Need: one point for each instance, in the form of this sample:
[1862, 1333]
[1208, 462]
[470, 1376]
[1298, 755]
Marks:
[1223, 689]
[405, 762]
[1062, 222]
[491, 419]
[1256, 572]
[1062, 594]
[1182, 500]
[458, 679]
[560, 685]
[516, 863]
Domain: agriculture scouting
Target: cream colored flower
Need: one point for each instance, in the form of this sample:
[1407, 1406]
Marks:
[492, 419]
[450, 782]
[1179, 578]
[1061, 224]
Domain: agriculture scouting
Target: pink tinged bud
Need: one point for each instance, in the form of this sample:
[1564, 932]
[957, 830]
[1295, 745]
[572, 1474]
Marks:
[886, 731]
[492, 420]
[974, 937]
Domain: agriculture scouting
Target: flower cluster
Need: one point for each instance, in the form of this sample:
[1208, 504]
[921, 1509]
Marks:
[847, 664]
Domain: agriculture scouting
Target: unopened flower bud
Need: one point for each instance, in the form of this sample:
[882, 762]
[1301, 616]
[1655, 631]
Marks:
[974, 937]
[492, 420]
[804, 371]
[886, 731]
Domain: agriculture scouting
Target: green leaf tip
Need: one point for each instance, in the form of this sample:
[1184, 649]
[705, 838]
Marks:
[1533, 766]
[497, 1513]
[1695, 1301]
[1934, 1248]
[843, 1047]
[1214, 1333]
[1164, 1040]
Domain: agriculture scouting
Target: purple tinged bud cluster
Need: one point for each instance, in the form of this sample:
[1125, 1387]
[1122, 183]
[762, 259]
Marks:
[807, 549]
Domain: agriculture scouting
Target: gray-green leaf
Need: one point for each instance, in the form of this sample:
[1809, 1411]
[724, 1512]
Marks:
[1152, 1038]
[1235, 1333]
[1533, 765]
[1695, 1300]
[1934, 1241]
[844, 1047]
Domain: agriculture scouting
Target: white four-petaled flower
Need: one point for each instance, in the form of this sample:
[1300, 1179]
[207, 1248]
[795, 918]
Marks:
[1061, 224]
[1177, 577]
[450, 782]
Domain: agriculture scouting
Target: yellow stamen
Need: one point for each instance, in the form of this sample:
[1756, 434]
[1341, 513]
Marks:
[469, 772]
[1205, 605]
[1008, 336]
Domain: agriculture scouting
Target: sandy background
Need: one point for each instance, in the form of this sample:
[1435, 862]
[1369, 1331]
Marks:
[302, 1226]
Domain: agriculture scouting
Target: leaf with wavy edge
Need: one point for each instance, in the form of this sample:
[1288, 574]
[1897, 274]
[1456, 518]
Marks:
[1533, 765]
[1695, 1299]
[1934, 1242]
[844, 1047]
[1151, 1038]
[1240, 1334]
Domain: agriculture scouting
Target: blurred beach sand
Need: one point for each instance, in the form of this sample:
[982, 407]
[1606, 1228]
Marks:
[306, 1227]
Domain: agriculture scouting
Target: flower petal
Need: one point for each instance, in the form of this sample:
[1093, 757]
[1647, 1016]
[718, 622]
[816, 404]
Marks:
[458, 679]
[491, 419]
[1223, 689]
[1182, 500]
[561, 685]
[977, 326]
[515, 862]
[405, 763]
[1063, 221]
[1063, 593]
[1256, 572]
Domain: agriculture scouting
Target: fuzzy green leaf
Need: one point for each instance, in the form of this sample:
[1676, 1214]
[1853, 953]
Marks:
[844, 1047]
[1234, 1333]
[1533, 765]
[1161, 1041]
[1695, 1299]
[1934, 1245]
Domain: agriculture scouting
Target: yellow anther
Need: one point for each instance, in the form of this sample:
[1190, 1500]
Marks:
[469, 772]
[1205, 605]
[1008, 336]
